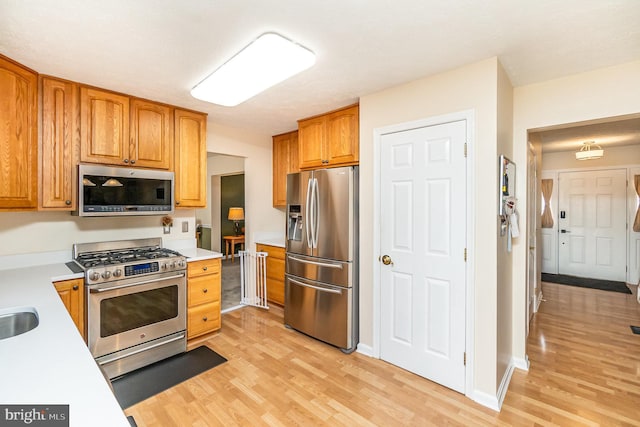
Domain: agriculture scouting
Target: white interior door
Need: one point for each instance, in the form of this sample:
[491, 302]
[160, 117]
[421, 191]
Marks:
[423, 231]
[592, 224]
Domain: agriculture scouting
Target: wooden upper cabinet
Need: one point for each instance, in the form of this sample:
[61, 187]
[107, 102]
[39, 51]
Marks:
[123, 131]
[59, 144]
[18, 136]
[285, 161]
[329, 140]
[104, 127]
[151, 135]
[190, 159]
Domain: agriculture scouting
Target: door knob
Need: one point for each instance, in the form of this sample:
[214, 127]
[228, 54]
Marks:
[386, 260]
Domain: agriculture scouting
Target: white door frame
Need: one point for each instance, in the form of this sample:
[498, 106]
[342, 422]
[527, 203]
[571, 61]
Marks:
[469, 116]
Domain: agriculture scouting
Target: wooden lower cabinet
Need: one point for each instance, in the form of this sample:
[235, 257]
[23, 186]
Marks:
[72, 294]
[275, 272]
[203, 297]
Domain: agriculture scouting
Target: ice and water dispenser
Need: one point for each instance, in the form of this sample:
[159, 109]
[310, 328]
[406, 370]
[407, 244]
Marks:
[294, 226]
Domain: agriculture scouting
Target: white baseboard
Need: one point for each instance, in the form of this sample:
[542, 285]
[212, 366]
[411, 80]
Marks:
[485, 399]
[367, 350]
[522, 364]
[538, 301]
[504, 384]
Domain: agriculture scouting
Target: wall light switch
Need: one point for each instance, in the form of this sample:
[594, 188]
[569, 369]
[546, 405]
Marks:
[185, 226]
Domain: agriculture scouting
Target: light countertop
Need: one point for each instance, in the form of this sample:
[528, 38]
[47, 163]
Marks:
[279, 242]
[51, 364]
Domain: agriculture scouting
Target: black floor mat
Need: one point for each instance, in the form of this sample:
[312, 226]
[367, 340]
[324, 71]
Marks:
[635, 330]
[145, 382]
[604, 285]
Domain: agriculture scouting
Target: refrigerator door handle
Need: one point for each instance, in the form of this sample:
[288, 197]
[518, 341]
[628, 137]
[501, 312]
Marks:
[316, 215]
[318, 288]
[307, 213]
[323, 264]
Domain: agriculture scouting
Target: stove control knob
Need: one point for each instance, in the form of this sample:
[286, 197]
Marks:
[164, 266]
[181, 263]
[106, 274]
[173, 264]
[94, 275]
[117, 273]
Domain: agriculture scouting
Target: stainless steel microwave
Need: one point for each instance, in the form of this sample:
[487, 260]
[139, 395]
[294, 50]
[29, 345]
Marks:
[115, 191]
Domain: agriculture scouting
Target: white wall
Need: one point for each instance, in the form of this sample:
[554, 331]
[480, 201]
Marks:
[260, 215]
[606, 92]
[473, 87]
[218, 164]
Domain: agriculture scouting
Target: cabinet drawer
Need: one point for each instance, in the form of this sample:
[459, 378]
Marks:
[206, 266]
[203, 289]
[203, 319]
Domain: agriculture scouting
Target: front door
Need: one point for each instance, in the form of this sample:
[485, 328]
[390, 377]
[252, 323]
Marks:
[592, 224]
[423, 233]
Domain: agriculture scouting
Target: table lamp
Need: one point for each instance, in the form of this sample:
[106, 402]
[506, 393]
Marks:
[236, 215]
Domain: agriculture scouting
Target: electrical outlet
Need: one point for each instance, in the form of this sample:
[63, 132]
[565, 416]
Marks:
[185, 226]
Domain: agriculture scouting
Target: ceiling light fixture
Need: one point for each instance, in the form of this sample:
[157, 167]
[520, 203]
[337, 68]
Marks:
[265, 62]
[588, 153]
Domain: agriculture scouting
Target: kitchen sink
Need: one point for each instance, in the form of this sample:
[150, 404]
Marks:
[19, 322]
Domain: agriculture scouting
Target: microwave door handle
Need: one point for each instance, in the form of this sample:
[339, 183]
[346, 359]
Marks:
[307, 214]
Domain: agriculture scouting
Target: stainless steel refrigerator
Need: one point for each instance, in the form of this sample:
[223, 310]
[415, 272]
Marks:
[321, 280]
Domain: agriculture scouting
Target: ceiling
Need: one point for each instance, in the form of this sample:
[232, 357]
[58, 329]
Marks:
[159, 49]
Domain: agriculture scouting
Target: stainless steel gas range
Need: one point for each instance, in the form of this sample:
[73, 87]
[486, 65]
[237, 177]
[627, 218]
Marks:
[136, 302]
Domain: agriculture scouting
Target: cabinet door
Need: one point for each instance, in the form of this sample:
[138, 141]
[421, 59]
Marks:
[294, 155]
[151, 135]
[72, 294]
[280, 153]
[18, 136]
[104, 127]
[275, 272]
[343, 137]
[60, 139]
[190, 159]
[311, 137]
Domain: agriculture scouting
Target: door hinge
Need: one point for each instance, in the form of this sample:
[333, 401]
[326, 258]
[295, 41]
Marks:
[464, 358]
[465, 254]
[465, 149]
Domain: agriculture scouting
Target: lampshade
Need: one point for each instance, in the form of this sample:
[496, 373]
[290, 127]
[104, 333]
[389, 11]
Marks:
[588, 153]
[236, 214]
[265, 62]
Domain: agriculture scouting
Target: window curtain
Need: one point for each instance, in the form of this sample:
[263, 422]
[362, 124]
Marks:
[547, 190]
[636, 223]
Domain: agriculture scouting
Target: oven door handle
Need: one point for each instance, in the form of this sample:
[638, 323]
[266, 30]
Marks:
[93, 291]
[140, 350]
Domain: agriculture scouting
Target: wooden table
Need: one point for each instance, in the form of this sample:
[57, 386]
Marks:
[230, 242]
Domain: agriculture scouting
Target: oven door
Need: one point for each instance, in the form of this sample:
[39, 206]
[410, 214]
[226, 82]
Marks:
[130, 312]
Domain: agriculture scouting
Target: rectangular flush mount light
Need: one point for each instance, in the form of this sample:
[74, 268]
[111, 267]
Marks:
[267, 61]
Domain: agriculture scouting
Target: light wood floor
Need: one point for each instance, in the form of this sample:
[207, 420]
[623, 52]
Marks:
[585, 370]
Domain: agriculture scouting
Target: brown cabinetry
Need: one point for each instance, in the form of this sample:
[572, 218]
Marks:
[329, 140]
[203, 297]
[285, 161]
[118, 130]
[18, 136]
[190, 159]
[275, 272]
[60, 144]
[72, 294]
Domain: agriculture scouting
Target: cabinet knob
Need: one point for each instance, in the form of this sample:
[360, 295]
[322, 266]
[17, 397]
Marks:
[177, 202]
[67, 202]
[205, 290]
[133, 162]
[204, 318]
[205, 268]
[75, 287]
[126, 160]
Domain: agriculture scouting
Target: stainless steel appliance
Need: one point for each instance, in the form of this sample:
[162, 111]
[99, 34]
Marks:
[321, 280]
[114, 191]
[136, 302]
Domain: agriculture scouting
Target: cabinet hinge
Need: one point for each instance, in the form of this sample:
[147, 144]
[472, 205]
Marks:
[465, 149]
[465, 254]
[464, 358]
